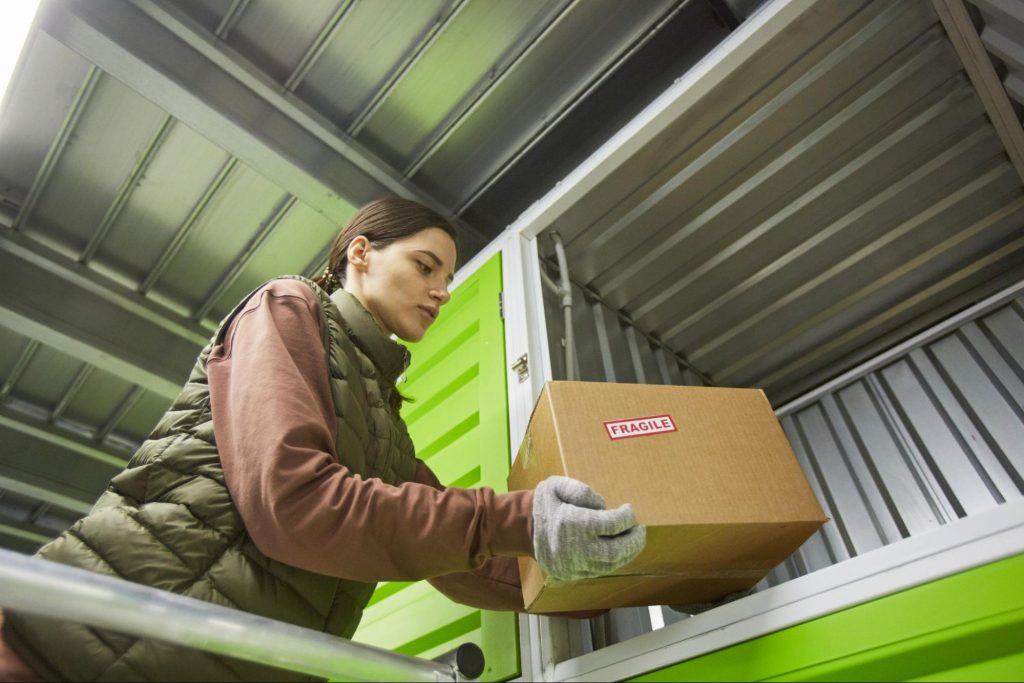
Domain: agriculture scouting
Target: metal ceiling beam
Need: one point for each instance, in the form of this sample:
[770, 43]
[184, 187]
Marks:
[182, 68]
[68, 270]
[69, 394]
[19, 368]
[115, 418]
[426, 39]
[42, 431]
[185, 229]
[231, 18]
[25, 534]
[89, 327]
[53, 154]
[972, 53]
[128, 186]
[565, 106]
[313, 52]
[488, 84]
[235, 270]
[57, 500]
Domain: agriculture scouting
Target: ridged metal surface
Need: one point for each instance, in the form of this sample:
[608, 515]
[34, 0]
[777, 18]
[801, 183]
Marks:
[1002, 33]
[610, 348]
[453, 92]
[785, 227]
[929, 437]
[933, 436]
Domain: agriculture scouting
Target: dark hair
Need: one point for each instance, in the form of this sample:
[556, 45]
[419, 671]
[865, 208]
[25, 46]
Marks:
[382, 221]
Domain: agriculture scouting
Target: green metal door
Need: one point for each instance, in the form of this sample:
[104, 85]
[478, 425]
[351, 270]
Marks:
[459, 422]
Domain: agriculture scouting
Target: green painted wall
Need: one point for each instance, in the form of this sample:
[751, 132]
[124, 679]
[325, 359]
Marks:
[966, 627]
[459, 423]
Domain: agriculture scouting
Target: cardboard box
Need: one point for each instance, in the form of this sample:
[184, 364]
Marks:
[708, 470]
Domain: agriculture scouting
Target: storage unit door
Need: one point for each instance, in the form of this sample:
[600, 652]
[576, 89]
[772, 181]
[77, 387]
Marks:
[458, 419]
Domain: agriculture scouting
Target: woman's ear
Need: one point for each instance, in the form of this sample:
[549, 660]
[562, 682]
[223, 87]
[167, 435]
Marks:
[358, 252]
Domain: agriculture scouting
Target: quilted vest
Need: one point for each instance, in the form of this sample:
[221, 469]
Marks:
[168, 521]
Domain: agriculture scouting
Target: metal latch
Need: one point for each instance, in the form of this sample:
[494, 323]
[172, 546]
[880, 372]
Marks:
[522, 368]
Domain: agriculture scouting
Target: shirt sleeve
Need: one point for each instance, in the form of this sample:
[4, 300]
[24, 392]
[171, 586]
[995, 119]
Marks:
[493, 586]
[274, 423]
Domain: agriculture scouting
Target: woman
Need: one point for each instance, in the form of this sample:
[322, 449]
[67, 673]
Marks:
[283, 482]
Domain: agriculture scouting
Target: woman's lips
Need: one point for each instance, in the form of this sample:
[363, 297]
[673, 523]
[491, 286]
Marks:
[429, 312]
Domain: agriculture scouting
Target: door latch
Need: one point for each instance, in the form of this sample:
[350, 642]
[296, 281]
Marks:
[522, 368]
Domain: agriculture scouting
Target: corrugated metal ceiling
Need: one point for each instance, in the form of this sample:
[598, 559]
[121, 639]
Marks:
[840, 189]
[160, 159]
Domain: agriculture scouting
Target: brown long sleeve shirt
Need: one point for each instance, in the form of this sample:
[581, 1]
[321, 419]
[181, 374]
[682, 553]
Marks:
[274, 423]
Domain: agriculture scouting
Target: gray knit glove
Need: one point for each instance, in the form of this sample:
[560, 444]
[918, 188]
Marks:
[575, 537]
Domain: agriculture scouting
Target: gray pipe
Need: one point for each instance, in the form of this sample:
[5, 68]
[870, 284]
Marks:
[565, 292]
[49, 589]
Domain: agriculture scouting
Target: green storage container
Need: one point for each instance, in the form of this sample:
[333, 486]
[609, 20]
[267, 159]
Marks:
[458, 420]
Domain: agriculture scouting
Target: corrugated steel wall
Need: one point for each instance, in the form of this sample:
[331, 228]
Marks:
[935, 435]
[609, 347]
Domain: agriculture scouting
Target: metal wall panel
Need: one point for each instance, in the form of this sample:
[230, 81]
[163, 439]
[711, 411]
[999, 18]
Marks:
[609, 347]
[934, 435]
[809, 209]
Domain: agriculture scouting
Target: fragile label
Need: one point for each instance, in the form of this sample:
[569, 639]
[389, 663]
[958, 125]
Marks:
[640, 426]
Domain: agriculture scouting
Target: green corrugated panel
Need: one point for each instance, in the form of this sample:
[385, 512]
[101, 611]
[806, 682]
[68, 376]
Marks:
[965, 627]
[459, 423]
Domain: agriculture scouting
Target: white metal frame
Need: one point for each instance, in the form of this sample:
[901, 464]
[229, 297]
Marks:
[547, 642]
[521, 295]
[957, 547]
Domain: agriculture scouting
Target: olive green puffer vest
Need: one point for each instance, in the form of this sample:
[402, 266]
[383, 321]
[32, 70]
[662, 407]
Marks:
[168, 521]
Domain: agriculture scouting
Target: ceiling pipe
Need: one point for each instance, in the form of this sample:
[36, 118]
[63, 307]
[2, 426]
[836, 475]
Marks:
[565, 294]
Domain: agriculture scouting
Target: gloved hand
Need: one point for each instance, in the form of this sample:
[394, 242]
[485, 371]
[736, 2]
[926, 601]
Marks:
[575, 537]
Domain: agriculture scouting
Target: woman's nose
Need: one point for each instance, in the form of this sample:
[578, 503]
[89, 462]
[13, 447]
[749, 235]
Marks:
[442, 295]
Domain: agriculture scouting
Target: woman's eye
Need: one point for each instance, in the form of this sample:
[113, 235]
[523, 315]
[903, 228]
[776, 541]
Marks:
[424, 268]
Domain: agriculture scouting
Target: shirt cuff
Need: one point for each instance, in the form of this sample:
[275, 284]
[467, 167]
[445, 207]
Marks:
[513, 524]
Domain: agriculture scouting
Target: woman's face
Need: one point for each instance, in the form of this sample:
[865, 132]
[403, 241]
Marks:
[403, 284]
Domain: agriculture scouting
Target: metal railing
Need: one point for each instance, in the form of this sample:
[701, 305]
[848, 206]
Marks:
[49, 589]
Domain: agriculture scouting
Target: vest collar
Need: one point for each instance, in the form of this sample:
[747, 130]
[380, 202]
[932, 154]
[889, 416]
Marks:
[390, 357]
